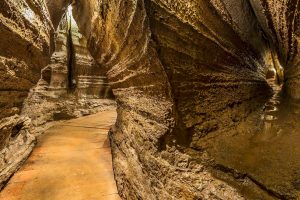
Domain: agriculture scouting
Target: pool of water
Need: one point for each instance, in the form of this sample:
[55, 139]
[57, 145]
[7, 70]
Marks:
[270, 154]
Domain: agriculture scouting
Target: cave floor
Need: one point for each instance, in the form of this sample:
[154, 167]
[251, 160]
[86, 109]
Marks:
[71, 161]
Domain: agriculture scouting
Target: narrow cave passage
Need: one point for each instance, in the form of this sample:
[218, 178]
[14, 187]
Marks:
[200, 99]
[71, 159]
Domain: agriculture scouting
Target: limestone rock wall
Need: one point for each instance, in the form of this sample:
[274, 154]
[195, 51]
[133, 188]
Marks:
[25, 47]
[215, 58]
[57, 9]
[281, 23]
[72, 85]
[91, 80]
[182, 72]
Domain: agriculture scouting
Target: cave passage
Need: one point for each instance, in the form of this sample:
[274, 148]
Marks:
[175, 100]
[71, 160]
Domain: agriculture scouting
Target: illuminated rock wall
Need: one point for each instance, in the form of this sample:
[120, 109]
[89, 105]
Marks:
[26, 42]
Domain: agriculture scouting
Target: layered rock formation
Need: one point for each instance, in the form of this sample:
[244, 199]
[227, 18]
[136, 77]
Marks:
[72, 68]
[182, 72]
[179, 72]
[72, 85]
[26, 42]
[185, 74]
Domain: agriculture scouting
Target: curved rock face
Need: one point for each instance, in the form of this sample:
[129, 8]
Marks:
[26, 35]
[180, 72]
[184, 73]
[27, 30]
[56, 10]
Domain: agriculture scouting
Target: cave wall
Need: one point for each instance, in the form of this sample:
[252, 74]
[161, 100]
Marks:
[91, 80]
[72, 85]
[182, 72]
[215, 58]
[26, 45]
[280, 21]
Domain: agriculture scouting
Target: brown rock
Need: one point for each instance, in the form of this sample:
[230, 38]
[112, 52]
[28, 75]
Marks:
[183, 73]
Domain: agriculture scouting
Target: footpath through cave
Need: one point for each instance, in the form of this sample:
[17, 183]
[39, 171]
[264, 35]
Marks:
[72, 160]
[207, 97]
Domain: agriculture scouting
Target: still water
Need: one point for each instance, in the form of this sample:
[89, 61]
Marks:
[270, 154]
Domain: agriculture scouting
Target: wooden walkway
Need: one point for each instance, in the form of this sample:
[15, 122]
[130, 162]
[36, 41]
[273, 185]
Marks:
[72, 161]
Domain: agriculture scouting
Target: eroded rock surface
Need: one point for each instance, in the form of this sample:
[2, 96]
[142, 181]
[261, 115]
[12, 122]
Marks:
[72, 85]
[175, 81]
[185, 75]
[182, 72]
[281, 23]
[26, 42]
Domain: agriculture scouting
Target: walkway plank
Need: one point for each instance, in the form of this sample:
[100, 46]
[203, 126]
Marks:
[72, 161]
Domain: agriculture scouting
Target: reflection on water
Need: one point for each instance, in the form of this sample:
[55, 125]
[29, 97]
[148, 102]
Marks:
[271, 155]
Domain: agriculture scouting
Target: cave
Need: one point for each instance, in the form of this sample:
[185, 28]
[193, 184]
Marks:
[149, 99]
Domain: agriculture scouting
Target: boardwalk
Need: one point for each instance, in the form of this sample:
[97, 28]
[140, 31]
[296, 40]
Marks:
[72, 161]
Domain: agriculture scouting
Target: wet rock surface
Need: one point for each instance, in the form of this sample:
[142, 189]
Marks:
[280, 21]
[181, 72]
[270, 151]
[189, 78]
